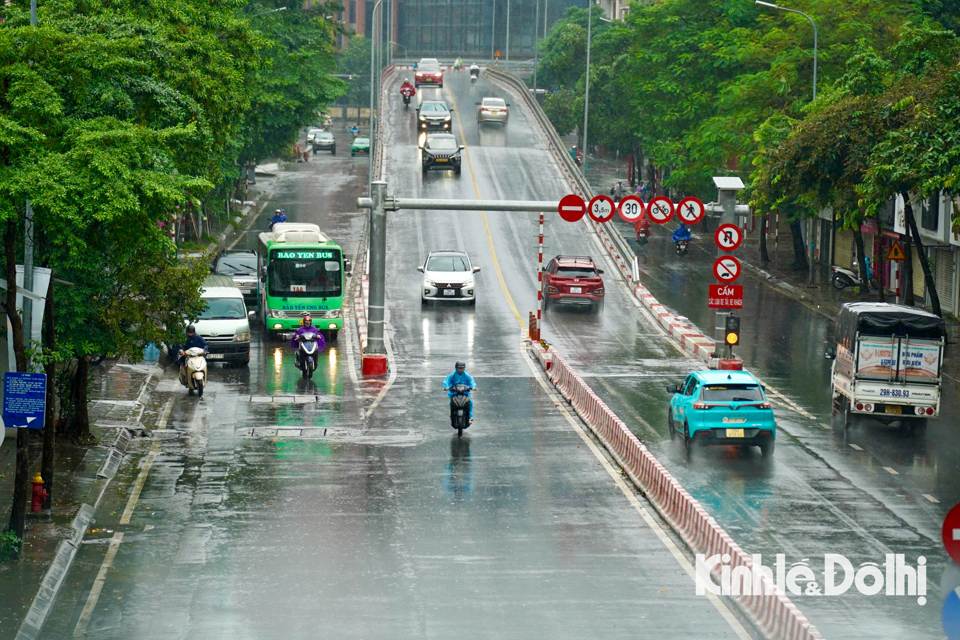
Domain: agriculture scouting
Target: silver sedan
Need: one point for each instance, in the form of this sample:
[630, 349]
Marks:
[493, 110]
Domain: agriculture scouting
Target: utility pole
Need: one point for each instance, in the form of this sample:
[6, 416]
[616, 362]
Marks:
[536, 48]
[373, 42]
[586, 93]
[507, 63]
[493, 33]
[378, 268]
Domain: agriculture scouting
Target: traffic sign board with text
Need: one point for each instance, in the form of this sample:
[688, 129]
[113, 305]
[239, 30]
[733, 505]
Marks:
[24, 399]
[725, 296]
[726, 269]
[601, 208]
[660, 209]
[572, 208]
[631, 208]
[728, 237]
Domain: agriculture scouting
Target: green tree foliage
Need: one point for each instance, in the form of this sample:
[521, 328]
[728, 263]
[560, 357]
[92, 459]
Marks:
[116, 115]
[354, 61]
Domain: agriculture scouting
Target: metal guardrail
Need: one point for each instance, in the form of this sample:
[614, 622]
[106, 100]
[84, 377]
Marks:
[568, 166]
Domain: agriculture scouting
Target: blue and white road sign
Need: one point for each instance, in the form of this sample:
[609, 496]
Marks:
[950, 615]
[24, 400]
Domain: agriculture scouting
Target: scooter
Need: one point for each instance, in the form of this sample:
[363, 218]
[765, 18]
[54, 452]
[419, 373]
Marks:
[474, 74]
[193, 371]
[306, 359]
[682, 246]
[643, 234]
[460, 408]
[843, 278]
[406, 101]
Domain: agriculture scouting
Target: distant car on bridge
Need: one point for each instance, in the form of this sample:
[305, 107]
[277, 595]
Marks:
[428, 73]
[493, 110]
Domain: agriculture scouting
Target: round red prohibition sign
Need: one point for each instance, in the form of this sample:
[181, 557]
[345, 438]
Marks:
[630, 208]
[951, 533]
[601, 208]
[728, 237]
[572, 208]
[660, 209]
[726, 269]
[690, 210]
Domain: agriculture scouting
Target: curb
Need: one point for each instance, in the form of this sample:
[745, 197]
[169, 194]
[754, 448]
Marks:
[66, 552]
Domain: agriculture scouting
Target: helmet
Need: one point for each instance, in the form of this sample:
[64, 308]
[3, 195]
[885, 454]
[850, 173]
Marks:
[191, 330]
[406, 81]
[460, 365]
[307, 321]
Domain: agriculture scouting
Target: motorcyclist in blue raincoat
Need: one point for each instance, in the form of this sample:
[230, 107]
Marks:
[279, 216]
[681, 233]
[460, 376]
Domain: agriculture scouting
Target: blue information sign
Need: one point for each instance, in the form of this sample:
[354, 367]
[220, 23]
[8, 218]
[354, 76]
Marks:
[950, 615]
[24, 400]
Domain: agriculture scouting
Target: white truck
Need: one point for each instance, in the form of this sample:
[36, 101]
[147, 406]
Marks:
[886, 364]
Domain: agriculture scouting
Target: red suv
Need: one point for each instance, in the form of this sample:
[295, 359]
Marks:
[572, 280]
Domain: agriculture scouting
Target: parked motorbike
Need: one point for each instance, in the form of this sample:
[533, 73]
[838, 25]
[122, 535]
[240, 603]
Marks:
[193, 371]
[843, 278]
[682, 247]
[306, 358]
[460, 408]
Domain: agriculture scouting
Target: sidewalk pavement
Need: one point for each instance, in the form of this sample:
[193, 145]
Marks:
[119, 397]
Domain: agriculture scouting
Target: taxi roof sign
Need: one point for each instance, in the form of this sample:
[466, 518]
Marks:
[896, 252]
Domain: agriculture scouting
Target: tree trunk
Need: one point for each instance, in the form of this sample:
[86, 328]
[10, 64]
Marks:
[924, 264]
[81, 417]
[764, 256]
[906, 272]
[21, 480]
[799, 250]
[861, 260]
[50, 421]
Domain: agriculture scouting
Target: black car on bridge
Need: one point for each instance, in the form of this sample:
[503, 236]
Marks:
[441, 151]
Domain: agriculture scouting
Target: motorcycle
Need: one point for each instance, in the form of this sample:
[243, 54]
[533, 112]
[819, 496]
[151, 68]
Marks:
[682, 246]
[643, 234]
[193, 371]
[460, 408]
[474, 74]
[306, 358]
[406, 101]
[843, 278]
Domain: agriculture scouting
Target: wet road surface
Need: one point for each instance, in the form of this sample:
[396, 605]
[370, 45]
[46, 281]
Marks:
[281, 508]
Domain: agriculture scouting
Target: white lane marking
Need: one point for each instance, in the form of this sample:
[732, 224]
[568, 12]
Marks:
[167, 408]
[631, 496]
[891, 471]
[351, 363]
[825, 426]
[858, 448]
[392, 375]
[247, 227]
[84, 620]
[138, 485]
[931, 498]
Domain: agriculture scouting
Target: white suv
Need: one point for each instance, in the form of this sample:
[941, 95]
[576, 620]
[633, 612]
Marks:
[448, 275]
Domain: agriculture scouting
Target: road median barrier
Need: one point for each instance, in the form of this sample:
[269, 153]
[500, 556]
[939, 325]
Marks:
[774, 615]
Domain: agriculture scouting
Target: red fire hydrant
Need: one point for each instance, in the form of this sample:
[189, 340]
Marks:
[39, 494]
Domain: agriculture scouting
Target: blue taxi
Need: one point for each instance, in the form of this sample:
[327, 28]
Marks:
[722, 408]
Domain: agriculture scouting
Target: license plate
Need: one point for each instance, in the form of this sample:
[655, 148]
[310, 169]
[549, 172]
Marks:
[246, 291]
[449, 292]
[214, 356]
[896, 410]
[734, 433]
[442, 160]
[576, 289]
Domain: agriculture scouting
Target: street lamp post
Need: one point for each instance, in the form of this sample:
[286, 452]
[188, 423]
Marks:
[536, 48]
[373, 83]
[810, 273]
[586, 91]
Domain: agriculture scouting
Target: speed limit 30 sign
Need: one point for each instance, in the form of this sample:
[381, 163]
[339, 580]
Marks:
[601, 208]
[630, 208]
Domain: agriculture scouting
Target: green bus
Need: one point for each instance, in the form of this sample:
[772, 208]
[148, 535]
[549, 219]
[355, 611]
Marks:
[301, 271]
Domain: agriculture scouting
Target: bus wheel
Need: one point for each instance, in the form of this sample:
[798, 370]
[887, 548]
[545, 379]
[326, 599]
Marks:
[273, 336]
[332, 335]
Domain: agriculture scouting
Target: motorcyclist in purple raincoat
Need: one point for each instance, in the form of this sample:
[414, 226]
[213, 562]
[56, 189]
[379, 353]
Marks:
[307, 328]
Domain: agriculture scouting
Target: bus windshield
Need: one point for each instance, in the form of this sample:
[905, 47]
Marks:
[294, 273]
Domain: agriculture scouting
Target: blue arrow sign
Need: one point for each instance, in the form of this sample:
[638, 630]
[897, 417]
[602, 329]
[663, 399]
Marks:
[24, 400]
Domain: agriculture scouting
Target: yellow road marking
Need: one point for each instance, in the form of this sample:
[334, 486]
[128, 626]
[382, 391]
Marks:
[483, 217]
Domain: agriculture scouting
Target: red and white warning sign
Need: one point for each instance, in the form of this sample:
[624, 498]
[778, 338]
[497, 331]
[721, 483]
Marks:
[728, 237]
[725, 296]
[726, 268]
[660, 209]
[630, 208]
[572, 208]
[690, 210]
[950, 533]
[601, 208]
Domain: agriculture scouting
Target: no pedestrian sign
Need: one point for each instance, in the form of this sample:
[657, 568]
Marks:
[728, 237]
[601, 208]
[630, 208]
[571, 208]
[726, 296]
[660, 209]
[24, 400]
[726, 269]
[690, 210]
